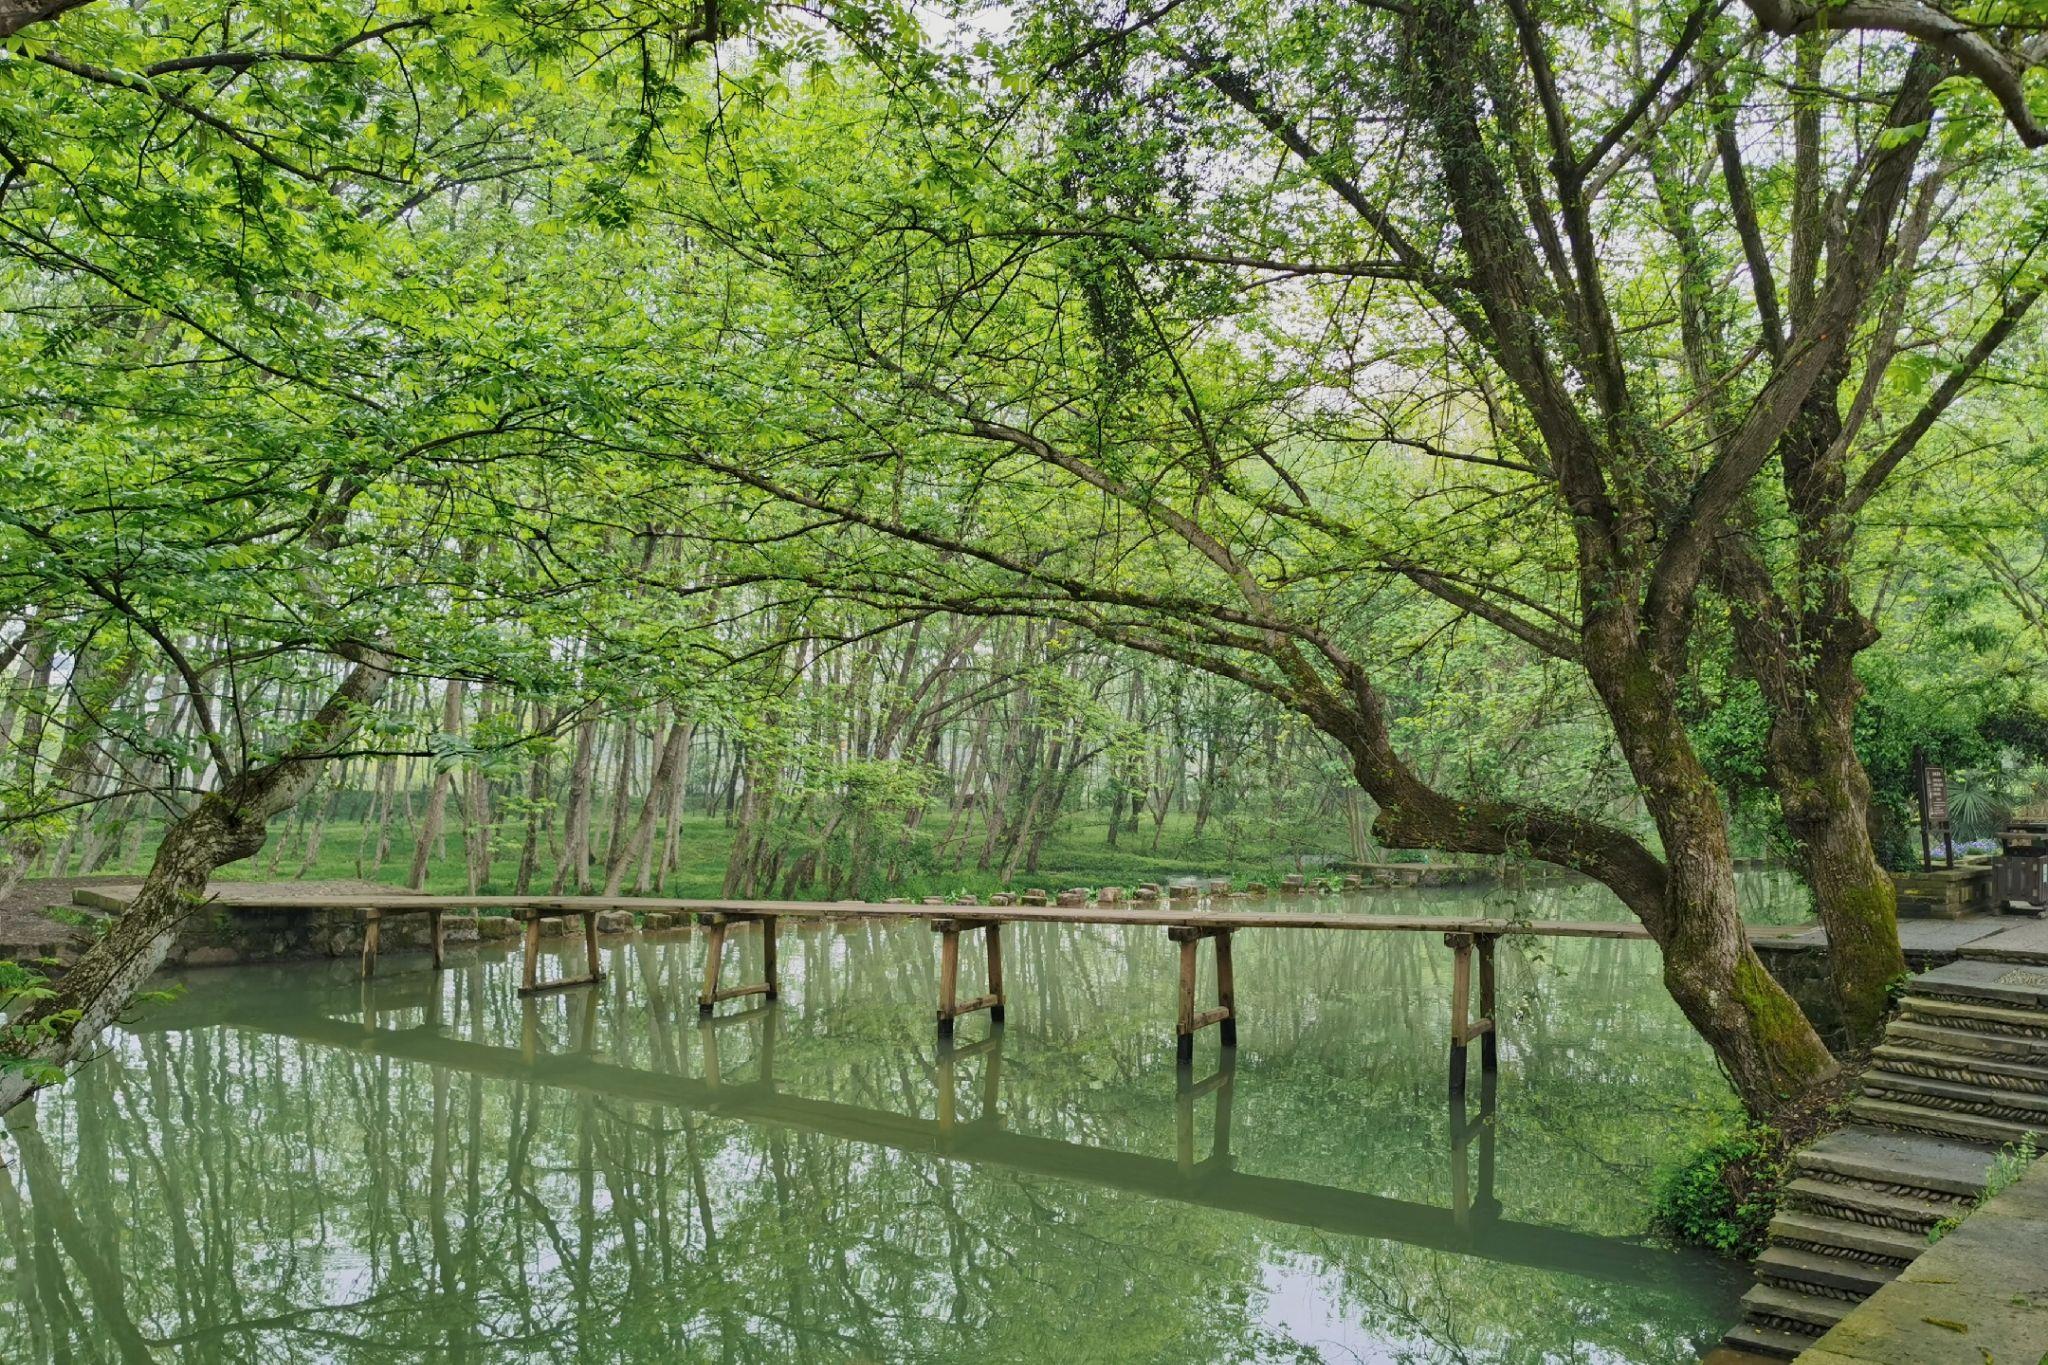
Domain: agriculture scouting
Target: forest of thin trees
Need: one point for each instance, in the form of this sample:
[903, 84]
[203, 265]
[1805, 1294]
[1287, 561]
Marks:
[946, 747]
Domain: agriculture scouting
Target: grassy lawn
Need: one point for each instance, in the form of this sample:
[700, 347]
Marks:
[1075, 855]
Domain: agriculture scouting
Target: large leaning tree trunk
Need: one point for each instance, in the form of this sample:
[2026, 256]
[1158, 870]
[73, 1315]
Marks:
[48, 1036]
[1687, 902]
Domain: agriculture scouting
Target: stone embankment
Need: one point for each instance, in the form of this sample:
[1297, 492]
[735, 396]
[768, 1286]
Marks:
[1962, 1072]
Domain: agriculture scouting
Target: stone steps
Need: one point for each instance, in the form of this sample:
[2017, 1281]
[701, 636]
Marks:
[1767, 1341]
[1811, 1272]
[1962, 1070]
[2011, 984]
[1908, 1032]
[1934, 1167]
[1792, 1311]
[1945, 1122]
[1825, 1235]
[1975, 1016]
[2015, 1107]
[1861, 1204]
[1986, 1071]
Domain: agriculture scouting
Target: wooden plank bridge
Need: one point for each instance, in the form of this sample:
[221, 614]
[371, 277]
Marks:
[1470, 940]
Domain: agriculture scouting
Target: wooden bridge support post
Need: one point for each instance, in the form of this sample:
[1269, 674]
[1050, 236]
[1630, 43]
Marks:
[1489, 1050]
[439, 940]
[951, 1006]
[714, 955]
[1189, 937]
[529, 979]
[1464, 948]
[714, 958]
[529, 974]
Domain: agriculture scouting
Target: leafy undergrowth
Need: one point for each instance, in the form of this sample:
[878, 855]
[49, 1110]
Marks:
[1724, 1193]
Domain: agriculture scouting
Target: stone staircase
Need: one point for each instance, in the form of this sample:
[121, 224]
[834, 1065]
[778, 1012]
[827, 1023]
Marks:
[1962, 1070]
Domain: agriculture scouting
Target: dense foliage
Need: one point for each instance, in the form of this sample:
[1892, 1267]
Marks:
[1590, 433]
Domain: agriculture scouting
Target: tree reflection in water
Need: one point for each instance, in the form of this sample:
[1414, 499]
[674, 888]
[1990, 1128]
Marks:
[288, 1164]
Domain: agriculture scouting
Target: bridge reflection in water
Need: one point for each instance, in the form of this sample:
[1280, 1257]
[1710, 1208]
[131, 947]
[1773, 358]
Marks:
[1469, 1224]
[291, 1164]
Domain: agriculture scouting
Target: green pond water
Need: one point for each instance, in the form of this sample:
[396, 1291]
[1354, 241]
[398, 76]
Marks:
[286, 1164]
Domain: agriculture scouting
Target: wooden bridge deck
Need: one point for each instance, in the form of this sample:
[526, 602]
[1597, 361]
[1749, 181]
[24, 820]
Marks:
[1187, 925]
[522, 907]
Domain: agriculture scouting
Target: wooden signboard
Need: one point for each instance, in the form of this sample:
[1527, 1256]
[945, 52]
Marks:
[1933, 811]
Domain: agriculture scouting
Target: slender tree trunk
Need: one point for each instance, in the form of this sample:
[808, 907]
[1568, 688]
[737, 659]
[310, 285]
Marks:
[479, 825]
[574, 867]
[636, 844]
[437, 799]
[536, 804]
[622, 794]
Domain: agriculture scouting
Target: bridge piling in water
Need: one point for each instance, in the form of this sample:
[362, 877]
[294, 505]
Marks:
[951, 1007]
[529, 980]
[1464, 948]
[720, 922]
[1189, 937]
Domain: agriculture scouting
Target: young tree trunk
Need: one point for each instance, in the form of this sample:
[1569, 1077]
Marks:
[536, 804]
[479, 824]
[48, 1036]
[574, 867]
[622, 793]
[315, 831]
[636, 844]
[437, 800]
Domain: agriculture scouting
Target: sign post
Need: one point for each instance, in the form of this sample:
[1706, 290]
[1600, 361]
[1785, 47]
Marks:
[1933, 812]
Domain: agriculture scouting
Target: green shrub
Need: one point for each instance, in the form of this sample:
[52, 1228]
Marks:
[2009, 1165]
[1722, 1196]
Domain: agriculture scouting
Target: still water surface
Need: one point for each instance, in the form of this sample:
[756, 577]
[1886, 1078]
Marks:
[284, 1164]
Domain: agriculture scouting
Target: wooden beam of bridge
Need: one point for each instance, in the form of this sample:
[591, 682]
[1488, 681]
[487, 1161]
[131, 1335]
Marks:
[115, 898]
[1295, 1202]
[521, 907]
